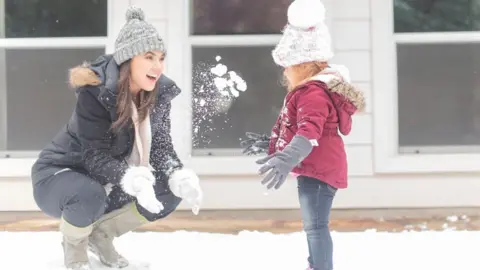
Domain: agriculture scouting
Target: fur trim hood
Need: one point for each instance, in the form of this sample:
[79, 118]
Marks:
[82, 75]
[337, 79]
[345, 97]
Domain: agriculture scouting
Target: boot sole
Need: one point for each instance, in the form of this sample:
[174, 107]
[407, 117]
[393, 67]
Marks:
[86, 266]
[95, 251]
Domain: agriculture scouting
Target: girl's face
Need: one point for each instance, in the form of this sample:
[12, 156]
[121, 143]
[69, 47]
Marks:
[290, 75]
[146, 70]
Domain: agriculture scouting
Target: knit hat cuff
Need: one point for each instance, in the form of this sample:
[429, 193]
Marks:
[291, 58]
[141, 46]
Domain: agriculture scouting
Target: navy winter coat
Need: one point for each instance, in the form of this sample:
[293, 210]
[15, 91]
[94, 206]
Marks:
[86, 144]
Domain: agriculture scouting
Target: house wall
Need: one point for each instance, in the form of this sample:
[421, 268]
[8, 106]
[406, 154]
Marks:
[360, 37]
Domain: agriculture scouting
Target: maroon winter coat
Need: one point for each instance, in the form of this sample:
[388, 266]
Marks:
[318, 112]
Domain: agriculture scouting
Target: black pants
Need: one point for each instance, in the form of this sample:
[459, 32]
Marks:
[82, 201]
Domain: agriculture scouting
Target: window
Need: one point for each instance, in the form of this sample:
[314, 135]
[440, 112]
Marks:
[224, 17]
[220, 121]
[39, 101]
[55, 18]
[39, 41]
[439, 95]
[242, 34]
[438, 87]
[436, 15]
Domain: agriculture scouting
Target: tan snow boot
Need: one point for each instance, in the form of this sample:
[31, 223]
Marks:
[109, 226]
[75, 244]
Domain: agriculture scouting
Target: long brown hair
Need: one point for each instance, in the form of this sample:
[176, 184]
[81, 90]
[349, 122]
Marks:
[144, 100]
[301, 72]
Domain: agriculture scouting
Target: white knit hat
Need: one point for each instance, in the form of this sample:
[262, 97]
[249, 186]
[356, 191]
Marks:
[306, 37]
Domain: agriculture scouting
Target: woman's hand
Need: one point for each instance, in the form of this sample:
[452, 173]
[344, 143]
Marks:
[139, 182]
[185, 184]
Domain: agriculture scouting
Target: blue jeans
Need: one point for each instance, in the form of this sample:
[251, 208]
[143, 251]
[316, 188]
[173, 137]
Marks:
[316, 199]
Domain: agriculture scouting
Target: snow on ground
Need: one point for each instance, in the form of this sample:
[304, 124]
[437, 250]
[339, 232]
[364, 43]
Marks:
[180, 250]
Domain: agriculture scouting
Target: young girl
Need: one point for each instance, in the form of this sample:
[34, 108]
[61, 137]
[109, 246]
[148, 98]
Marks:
[113, 167]
[305, 139]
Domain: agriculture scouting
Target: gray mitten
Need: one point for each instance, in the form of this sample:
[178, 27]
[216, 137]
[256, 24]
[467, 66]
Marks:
[280, 164]
[255, 144]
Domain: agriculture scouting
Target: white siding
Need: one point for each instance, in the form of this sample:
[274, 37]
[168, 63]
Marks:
[359, 63]
[351, 9]
[156, 10]
[351, 34]
[350, 30]
[231, 182]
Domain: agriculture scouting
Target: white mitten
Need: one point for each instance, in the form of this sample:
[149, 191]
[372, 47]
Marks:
[136, 178]
[147, 199]
[185, 184]
[139, 182]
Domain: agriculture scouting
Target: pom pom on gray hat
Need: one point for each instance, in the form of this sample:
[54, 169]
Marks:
[133, 13]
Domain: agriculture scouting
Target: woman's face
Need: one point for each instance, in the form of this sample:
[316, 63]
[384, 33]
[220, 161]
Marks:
[146, 70]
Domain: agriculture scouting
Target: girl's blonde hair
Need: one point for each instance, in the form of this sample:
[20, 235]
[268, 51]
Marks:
[301, 72]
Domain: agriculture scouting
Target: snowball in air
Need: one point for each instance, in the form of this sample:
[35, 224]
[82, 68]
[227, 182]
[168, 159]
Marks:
[219, 70]
[242, 86]
[220, 83]
[234, 92]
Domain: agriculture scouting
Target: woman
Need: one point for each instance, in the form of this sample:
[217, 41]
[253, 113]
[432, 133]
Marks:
[306, 140]
[113, 167]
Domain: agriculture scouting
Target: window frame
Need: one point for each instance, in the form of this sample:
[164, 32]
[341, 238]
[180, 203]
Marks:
[387, 157]
[243, 40]
[19, 163]
[32, 44]
[202, 164]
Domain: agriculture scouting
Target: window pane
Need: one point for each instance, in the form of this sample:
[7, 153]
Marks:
[439, 93]
[55, 18]
[217, 17]
[436, 15]
[39, 101]
[255, 109]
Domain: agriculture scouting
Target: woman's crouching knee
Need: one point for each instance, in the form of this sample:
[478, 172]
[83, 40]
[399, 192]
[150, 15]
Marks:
[72, 195]
[87, 206]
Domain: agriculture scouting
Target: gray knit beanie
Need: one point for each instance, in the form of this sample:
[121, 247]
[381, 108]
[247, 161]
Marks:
[136, 37]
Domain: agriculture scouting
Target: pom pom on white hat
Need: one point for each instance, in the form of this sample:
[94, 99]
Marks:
[306, 13]
[306, 37]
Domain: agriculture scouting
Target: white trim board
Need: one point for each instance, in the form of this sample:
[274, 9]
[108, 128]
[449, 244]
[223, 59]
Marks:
[60, 43]
[248, 193]
[438, 37]
[359, 159]
[234, 40]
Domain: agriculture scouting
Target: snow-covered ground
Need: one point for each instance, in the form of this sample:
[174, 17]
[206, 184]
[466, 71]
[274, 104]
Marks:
[368, 250]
